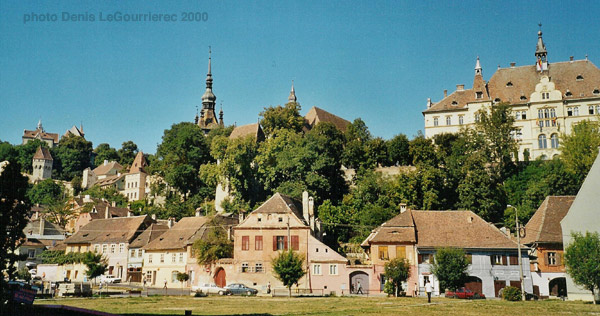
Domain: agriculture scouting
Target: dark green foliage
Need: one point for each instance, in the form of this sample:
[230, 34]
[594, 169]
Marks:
[450, 268]
[397, 271]
[397, 150]
[13, 211]
[288, 267]
[24, 274]
[26, 152]
[110, 194]
[71, 157]
[580, 148]
[105, 152]
[279, 117]
[214, 246]
[46, 192]
[511, 293]
[357, 152]
[59, 257]
[422, 151]
[127, 153]
[95, 263]
[582, 259]
[8, 152]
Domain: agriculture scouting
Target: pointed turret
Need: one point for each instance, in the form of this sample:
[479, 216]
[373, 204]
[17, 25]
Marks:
[221, 116]
[479, 85]
[292, 97]
[208, 118]
[540, 52]
[39, 126]
[478, 70]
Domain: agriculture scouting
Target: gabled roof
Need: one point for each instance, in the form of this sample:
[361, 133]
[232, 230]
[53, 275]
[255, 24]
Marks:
[115, 230]
[109, 180]
[43, 153]
[280, 204]
[151, 233]
[316, 115]
[433, 229]
[246, 130]
[41, 134]
[177, 237]
[75, 131]
[324, 253]
[544, 225]
[50, 229]
[139, 163]
[105, 168]
[98, 211]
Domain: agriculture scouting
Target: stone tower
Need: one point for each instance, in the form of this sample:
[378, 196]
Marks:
[42, 164]
[208, 118]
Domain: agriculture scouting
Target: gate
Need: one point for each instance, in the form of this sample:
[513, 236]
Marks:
[220, 277]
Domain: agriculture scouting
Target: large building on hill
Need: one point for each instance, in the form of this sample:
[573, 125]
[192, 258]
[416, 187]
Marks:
[547, 99]
[39, 133]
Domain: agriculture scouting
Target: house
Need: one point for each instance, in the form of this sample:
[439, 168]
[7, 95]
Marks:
[317, 115]
[583, 216]
[172, 252]
[107, 170]
[110, 237]
[279, 224]
[39, 133]
[547, 99]
[136, 253]
[137, 180]
[42, 164]
[40, 235]
[99, 210]
[543, 235]
[415, 235]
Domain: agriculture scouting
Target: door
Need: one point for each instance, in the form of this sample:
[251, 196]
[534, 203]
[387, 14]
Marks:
[359, 277]
[558, 287]
[474, 284]
[498, 285]
[220, 278]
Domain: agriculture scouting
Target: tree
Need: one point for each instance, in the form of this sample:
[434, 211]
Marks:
[214, 246]
[182, 277]
[13, 219]
[105, 152]
[288, 268]
[71, 156]
[581, 259]
[25, 153]
[279, 117]
[127, 153]
[96, 265]
[397, 271]
[580, 148]
[422, 151]
[397, 149]
[450, 268]
[46, 192]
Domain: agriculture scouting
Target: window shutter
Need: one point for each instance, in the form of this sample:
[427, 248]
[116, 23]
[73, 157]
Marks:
[492, 259]
[295, 243]
[285, 243]
[503, 260]
[547, 258]
[274, 243]
[558, 258]
[420, 258]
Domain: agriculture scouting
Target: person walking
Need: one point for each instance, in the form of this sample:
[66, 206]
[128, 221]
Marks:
[428, 290]
[165, 287]
[359, 288]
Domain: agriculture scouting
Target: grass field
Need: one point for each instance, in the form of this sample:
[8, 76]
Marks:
[214, 305]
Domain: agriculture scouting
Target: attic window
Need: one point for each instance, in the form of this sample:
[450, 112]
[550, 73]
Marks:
[579, 77]
[260, 219]
[85, 235]
[180, 238]
[497, 100]
[509, 84]
[454, 103]
[478, 94]
[596, 91]
[161, 238]
[281, 219]
[523, 98]
[568, 94]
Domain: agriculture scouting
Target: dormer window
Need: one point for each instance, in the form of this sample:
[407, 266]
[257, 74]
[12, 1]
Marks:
[579, 78]
[596, 91]
[509, 84]
[497, 100]
[280, 219]
[478, 94]
[568, 94]
[454, 103]
[523, 98]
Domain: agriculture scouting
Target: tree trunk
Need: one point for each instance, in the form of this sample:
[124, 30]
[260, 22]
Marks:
[290, 291]
[396, 289]
[594, 296]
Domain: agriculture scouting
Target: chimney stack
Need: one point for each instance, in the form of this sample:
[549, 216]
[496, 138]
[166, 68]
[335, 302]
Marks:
[429, 103]
[513, 64]
[106, 212]
[105, 162]
[445, 93]
[114, 203]
[311, 213]
[42, 226]
[305, 207]
[170, 222]
[571, 58]
[241, 216]
[460, 87]
[402, 208]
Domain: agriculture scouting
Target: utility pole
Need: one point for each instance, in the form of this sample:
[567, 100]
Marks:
[289, 240]
[519, 254]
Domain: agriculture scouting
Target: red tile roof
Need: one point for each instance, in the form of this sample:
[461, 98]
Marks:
[544, 225]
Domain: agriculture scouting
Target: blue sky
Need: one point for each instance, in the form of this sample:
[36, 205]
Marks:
[377, 60]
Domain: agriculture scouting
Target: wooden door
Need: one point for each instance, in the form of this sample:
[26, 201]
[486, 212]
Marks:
[220, 278]
[498, 285]
[474, 284]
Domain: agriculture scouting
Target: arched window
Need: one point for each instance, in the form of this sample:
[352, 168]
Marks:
[554, 140]
[542, 141]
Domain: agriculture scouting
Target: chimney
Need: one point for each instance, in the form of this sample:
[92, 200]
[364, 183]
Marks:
[36, 215]
[470, 219]
[170, 222]
[198, 212]
[114, 203]
[153, 217]
[571, 58]
[505, 230]
[428, 103]
[513, 64]
[241, 216]
[105, 162]
[86, 198]
[460, 87]
[42, 226]
[129, 213]
[305, 207]
[402, 208]
[311, 213]
[445, 93]
[106, 212]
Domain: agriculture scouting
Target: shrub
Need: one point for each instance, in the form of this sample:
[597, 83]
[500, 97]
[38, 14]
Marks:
[511, 293]
[389, 288]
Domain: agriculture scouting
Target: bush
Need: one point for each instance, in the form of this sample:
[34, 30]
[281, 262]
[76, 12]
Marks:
[389, 288]
[511, 293]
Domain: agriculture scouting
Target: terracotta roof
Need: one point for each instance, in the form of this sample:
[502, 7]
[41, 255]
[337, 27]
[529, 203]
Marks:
[516, 84]
[42, 153]
[41, 134]
[463, 229]
[281, 204]
[246, 130]
[121, 230]
[33, 228]
[109, 180]
[139, 163]
[105, 168]
[100, 211]
[316, 115]
[544, 225]
[151, 233]
[177, 236]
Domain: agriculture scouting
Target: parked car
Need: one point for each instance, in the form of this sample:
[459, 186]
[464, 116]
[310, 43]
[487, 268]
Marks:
[109, 279]
[241, 289]
[464, 293]
[207, 288]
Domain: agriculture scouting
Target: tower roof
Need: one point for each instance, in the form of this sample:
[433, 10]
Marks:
[139, 163]
[209, 97]
[292, 97]
[540, 48]
[43, 153]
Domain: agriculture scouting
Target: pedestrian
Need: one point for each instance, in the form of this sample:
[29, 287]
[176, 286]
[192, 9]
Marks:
[269, 287]
[145, 282]
[428, 290]
[359, 288]
[165, 287]
[416, 290]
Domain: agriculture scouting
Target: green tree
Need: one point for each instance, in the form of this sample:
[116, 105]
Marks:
[288, 268]
[127, 153]
[110, 194]
[96, 265]
[13, 219]
[279, 117]
[422, 151]
[581, 259]
[8, 152]
[71, 156]
[105, 152]
[214, 246]
[182, 277]
[26, 152]
[450, 268]
[579, 149]
[397, 271]
[398, 152]
[355, 153]
[46, 192]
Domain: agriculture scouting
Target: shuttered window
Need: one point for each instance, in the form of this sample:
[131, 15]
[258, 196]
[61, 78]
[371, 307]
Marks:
[258, 242]
[400, 252]
[245, 242]
[295, 243]
[279, 243]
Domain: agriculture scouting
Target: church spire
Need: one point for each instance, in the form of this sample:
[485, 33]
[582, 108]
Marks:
[292, 97]
[208, 99]
[39, 126]
[540, 52]
[478, 70]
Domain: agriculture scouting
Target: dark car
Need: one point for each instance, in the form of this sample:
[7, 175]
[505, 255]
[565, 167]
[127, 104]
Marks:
[464, 293]
[241, 289]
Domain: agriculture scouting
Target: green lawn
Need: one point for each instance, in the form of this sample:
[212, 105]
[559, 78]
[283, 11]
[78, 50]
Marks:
[216, 305]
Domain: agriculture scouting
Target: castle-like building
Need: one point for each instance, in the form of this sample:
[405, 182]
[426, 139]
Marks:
[547, 99]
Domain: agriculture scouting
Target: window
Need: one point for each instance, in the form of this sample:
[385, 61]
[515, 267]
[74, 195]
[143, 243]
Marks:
[545, 95]
[295, 243]
[333, 269]
[173, 258]
[476, 117]
[579, 78]
[162, 258]
[245, 242]
[524, 115]
[448, 120]
[576, 111]
[569, 111]
[478, 94]
[400, 252]
[258, 243]
[140, 253]
[435, 121]
[258, 267]
[513, 260]
[96, 248]
[554, 140]
[498, 260]
[383, 253]
[551, 258]
[245, 267]
[121, 248]
[149, 259]
[113, 247]
[540, 114]
[279, 243]
[132, 253]
[316, 269]
[424, 258]
[546, 113]
[518, 115]
[461, 119]
[174, 276]
[31, 253]
[591, 110]
[181, 257]
[542, 141]
[509, 84]
[280, 219]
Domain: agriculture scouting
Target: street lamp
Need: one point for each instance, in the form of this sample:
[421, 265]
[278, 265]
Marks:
[519, 254]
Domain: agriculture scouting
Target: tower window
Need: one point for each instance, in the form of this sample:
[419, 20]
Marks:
[579, 78]
[478, 94]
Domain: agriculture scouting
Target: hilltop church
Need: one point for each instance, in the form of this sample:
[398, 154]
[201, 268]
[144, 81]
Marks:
[547, 99]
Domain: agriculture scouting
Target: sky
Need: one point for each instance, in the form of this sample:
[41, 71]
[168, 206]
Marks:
[375, 60]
